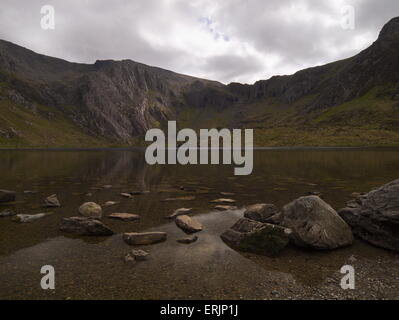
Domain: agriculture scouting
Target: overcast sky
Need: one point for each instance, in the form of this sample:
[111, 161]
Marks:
[225, 40]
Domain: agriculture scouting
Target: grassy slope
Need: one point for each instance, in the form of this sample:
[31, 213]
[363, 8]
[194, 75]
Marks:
[35, 130]
[371, 120]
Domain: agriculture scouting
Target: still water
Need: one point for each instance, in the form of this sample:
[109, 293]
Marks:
[93, 267]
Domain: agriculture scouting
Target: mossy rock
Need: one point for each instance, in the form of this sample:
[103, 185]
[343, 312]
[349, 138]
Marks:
[269, 240]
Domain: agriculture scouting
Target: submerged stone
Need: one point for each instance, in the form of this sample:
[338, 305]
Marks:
[144, 238]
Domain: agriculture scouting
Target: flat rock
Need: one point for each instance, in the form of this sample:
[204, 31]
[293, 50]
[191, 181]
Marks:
[188, 240]
[374, 216]
[260, 212]
[52, 201]
[315, 224]
[222, 200]
[188, 224]
[144, 238]
[180, 212]
[110, 204]
[186, 198]
[126, 195]
[257, 237]
[227, 194]
[7, 213]
[85, 226]
[7, 196]
[225, 208]
[124, 216]
[26, 218]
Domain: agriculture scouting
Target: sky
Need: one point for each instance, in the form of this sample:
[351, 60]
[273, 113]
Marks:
[224, 40]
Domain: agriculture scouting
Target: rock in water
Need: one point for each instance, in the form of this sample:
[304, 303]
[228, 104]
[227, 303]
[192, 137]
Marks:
[139, 254]
[52, 201]
[185, 198]
[223, 200]
[7, 213]
[85, 226]
[260, 212]
[225, 208]
[91, 210]
[374, 216]
[188, 240]
[110, 203]
[124, 216]
[180, 212]
[23, 218]
[257, 237]
[187, 224]
[126, 195]
[144, 238]
[7, 196]
[315, 224]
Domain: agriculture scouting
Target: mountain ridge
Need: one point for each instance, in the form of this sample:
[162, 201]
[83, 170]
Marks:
[114, 102]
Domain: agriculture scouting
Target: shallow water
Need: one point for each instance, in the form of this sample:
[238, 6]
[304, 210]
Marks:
[88, 267]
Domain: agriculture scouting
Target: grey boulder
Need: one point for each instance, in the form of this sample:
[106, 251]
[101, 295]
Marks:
[315, 224]
[261, 212]
[374, 217]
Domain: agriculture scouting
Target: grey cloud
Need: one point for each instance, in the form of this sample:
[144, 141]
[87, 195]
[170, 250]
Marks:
[100, 29]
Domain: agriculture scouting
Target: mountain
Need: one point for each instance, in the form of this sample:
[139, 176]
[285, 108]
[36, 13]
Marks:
[49, 102]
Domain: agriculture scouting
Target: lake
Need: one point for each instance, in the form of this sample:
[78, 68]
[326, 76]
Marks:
[93, 267]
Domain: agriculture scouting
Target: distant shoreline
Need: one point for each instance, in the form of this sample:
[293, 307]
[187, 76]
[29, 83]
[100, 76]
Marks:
[292, 148]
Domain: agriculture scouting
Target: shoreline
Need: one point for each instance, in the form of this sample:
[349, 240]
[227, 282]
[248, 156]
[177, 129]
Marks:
[285, 148]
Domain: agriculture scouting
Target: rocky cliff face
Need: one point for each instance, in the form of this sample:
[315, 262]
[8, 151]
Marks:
[119, 100]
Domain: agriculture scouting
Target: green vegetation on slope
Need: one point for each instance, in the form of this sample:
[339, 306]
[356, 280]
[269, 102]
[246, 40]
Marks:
[45, 127]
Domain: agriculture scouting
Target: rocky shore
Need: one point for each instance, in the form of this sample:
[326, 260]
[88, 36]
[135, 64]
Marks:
[263, 230]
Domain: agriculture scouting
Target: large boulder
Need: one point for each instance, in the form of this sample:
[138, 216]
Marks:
[85, 226]
[7, 196]
[91, 210]
[187, 224]
[315, 224]
[257, 237]
[374, 216]
[261, 212]
[144, 238]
